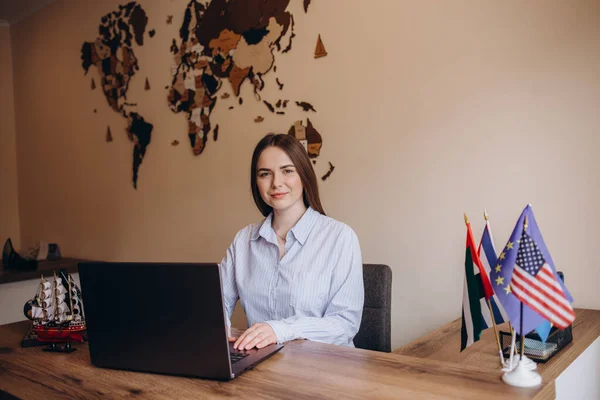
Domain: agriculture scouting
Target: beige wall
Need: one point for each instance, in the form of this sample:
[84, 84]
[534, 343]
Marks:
[427, 109]
[9, 203]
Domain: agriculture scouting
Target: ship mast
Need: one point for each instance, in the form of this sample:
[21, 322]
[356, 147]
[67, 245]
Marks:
[70, 317]
[56, 310]
[43, 305]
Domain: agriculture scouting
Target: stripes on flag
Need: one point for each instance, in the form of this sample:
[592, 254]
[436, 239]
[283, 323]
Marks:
[543, 294]
[475, 312]
[490, 259]
[534, 283]
[472, 321]
[467, 337]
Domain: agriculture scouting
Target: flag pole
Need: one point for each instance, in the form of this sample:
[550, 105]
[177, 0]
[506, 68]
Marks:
[523, 335]
[496, 333]
[512, 349]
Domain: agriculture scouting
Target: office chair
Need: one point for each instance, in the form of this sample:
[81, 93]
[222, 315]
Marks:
[376, 327]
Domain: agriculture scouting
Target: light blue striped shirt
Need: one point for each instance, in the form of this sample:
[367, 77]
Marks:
[314, 292]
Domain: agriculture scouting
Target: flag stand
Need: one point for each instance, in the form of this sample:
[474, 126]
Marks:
[521, 376]
[509, 365]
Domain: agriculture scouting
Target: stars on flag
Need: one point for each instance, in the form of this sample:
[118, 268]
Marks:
[500, 279]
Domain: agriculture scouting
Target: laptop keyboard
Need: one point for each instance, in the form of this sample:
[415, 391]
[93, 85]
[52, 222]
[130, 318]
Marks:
[235, 357]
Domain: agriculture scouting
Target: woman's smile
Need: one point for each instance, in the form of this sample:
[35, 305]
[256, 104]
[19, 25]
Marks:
[278, 196]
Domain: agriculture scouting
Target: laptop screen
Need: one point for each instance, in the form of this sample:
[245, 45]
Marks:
[156, 317]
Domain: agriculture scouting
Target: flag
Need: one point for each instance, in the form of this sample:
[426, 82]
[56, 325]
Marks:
[525, 269]
[543, 330]
[534, 283]
[489, 258]
[477, 289]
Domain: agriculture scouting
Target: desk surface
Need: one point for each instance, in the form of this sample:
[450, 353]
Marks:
[303, 369]
[443, 344]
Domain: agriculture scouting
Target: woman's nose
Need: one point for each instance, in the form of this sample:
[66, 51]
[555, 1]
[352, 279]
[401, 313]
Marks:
[277, 179]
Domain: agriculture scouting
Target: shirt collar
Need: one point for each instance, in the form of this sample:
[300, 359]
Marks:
[264, 228]
[300, 231]
[304, 226]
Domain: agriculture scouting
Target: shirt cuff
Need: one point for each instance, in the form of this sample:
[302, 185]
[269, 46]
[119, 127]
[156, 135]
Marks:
[282, 330]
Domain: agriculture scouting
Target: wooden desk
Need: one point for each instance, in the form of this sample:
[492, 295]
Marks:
[443, 344]
[303, 369]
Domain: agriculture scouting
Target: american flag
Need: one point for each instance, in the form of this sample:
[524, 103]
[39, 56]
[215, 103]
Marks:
[534, 283]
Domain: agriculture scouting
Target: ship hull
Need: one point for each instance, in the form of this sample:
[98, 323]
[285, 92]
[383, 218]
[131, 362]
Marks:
[59, 334]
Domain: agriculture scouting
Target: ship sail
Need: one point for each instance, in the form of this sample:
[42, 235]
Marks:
[61, 307]
[48, 313]
[36, 312]
[77, 305]
[60, 289]
[46, 290]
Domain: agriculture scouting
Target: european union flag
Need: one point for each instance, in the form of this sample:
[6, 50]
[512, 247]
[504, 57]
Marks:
[533, 249]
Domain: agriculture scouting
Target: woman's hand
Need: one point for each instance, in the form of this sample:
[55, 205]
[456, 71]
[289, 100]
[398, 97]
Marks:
[258, 335]
[229, 337]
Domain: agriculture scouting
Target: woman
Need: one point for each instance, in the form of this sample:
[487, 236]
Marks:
[297, 273]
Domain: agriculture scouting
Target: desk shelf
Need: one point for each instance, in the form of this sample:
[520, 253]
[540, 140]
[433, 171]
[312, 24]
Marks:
[44, 267]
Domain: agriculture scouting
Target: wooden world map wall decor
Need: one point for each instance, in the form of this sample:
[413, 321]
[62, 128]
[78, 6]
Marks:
[221, 43]
[113, 56]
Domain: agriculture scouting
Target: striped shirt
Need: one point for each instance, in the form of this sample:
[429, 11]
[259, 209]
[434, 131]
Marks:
[314, 292]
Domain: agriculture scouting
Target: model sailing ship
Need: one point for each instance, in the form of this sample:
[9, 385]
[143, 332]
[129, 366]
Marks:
[57, 312]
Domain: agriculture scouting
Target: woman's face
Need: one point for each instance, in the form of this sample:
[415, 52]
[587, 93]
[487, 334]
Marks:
[278, 181]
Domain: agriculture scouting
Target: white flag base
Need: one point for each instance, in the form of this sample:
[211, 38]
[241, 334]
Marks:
[522, 377]
[527, 362]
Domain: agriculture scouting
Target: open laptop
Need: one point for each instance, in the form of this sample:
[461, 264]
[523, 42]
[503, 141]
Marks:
[166, 318]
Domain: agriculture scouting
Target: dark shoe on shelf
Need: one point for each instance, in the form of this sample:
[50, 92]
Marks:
[12, 260]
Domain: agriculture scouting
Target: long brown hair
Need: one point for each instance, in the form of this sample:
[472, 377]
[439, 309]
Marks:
[299, 157]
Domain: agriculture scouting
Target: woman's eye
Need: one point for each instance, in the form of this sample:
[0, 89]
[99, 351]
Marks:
[263, 174]
[288, 171]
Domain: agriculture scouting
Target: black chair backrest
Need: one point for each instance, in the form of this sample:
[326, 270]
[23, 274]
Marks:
[376, 326]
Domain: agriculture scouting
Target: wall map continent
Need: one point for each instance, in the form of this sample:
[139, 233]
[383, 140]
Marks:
[231, 40]
[113, 56]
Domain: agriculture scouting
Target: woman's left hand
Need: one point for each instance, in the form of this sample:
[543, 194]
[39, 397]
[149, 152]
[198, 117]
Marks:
[258, 335]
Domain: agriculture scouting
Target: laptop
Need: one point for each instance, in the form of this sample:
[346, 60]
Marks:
[165, 318]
